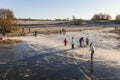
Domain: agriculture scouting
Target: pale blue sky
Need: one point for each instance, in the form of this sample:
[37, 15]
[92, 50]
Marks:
[52, 9]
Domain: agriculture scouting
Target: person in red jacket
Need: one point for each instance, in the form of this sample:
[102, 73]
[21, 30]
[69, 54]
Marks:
[65, 42]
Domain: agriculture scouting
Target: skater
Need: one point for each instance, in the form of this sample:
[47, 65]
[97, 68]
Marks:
[81, 41]
[73, 42]
[65, 42]
[35, 34]
[92, 50]
[87, 41]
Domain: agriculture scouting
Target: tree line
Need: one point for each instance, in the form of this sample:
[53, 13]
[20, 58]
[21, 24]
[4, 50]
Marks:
[100, 17]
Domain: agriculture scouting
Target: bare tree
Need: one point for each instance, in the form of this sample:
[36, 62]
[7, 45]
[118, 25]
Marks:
[100, 16]
[77, 21]
[73, 18]
[118, 17]
[7, 20]
[117, 20]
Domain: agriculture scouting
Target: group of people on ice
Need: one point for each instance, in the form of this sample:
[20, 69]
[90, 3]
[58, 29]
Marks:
[82, 43]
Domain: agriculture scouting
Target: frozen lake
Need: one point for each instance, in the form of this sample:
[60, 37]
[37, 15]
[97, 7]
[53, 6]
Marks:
[59, 65]
[46, 58]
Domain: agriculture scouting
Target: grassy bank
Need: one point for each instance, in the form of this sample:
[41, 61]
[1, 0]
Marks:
[9, 41]
[49, 30]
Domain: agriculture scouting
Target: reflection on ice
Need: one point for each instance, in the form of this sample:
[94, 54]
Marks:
[91, 70]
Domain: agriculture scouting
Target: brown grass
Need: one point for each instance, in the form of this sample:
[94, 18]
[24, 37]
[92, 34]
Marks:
[49, 30]
[116, 31]
[113, 31]
[9, 41]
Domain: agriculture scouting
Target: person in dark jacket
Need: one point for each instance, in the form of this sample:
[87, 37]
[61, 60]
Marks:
[81, 41]
[35, 34]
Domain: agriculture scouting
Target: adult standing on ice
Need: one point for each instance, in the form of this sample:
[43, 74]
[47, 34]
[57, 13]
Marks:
[92, 50]
[80, 41]
[35, 34]
[73, 42]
